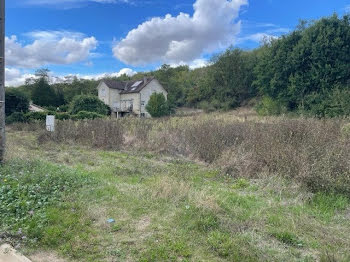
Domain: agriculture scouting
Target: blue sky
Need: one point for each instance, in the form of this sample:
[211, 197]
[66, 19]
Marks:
[90, 38]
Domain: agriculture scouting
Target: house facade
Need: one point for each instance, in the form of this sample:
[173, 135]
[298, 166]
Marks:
[129, 98]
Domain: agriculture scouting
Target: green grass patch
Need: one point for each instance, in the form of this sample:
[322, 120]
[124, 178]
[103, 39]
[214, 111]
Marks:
[33, 203]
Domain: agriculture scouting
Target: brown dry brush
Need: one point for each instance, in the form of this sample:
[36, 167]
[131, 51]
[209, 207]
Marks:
[313, 152]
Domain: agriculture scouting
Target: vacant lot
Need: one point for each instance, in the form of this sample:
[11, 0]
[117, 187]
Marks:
[149, 198]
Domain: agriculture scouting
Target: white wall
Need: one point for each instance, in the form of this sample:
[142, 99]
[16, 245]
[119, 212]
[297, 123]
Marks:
[153, 87]
[109, 96]
[103, 92]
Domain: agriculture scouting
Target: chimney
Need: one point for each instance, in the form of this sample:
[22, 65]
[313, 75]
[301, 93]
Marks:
[145, 79]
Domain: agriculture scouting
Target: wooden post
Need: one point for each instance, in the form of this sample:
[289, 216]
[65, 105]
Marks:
[2, 80]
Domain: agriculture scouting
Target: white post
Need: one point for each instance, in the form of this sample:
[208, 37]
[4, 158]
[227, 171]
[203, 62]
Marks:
[50, 123]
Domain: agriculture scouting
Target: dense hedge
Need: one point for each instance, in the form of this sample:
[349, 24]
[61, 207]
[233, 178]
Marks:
[19, 117]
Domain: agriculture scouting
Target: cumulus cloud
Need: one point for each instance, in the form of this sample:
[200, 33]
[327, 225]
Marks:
[49, 47]
[124, 71]
[197, 63]
[257, 37]
[182, 38]
[16, 77]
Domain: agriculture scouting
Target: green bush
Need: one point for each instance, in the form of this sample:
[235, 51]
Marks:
[16, 117]
[62, 116]
[86, 115]
[158, 106]
[269, 106]
[88, 103]
[63, 108]
[36, 116]
[15, 101]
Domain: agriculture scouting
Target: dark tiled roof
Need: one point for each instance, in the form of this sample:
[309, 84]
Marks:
[129, 86]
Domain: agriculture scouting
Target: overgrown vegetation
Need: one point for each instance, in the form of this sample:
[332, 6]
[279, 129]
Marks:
[167, 208]
[88, 104]
[309, 151]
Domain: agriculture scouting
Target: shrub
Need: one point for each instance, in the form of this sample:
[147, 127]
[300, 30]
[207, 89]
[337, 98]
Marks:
[15, 101]
[86, 115]
[158, 106]
[88, 103]
[63, 108]
[313, 152]
[268, 106]
[16, 117]
[62, 116]
[99, 133]
[36, 116]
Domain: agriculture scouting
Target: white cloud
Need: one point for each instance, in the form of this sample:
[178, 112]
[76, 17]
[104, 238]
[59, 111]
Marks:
[197, 63]
[347, 9]
[49, 47]
[257, 37]
[182, 38]
[16, 77]
[124, 71]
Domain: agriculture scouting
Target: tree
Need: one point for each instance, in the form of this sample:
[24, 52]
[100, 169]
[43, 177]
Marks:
[308, 69]
[15, 101]
[43, 94]
[88, 103]
[158, 106]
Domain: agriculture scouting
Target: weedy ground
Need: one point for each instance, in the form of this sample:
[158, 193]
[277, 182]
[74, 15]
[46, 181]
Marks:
[56, 199]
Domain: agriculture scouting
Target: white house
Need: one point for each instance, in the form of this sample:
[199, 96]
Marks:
[129, 97]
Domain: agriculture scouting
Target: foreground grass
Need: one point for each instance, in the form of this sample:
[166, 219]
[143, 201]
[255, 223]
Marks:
[164, 209]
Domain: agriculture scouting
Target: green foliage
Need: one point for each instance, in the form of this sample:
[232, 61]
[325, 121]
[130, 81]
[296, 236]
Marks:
[268, 106]
[158, 106]
[36, 116]
[326, 206]
[62, 116]
[27, 189]
[88, 103]
[288, 238]
[308, 69]
[44, 95]
[86, 115]
[16, 117]
[15, 101]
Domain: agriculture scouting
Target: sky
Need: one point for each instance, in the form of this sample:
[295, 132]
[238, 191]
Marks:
[92, 38]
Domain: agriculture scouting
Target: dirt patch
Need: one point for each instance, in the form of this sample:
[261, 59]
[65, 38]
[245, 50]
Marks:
[45, 256]
[143, 223]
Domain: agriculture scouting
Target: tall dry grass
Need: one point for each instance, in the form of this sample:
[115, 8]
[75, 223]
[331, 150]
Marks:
[314, 152]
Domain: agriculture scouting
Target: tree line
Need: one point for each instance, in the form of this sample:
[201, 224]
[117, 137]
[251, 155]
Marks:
[305, 71]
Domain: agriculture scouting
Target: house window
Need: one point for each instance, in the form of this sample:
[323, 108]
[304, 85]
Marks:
[143, 115]
[142, 103]
[103, 92]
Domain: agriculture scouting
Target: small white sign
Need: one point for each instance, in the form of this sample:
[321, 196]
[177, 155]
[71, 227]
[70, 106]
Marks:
[50, 123]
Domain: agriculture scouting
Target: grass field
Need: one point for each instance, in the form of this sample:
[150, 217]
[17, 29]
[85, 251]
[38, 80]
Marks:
[56, 199]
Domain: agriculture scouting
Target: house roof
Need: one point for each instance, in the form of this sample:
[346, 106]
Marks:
[128, 87]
